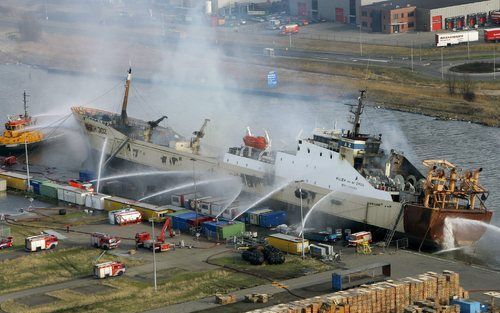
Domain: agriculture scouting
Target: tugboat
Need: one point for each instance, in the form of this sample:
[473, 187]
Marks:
[19, 132]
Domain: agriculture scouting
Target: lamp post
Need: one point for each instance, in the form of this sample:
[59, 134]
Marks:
[27, 164]
[154, 251]
[301, 215]
[360, 42]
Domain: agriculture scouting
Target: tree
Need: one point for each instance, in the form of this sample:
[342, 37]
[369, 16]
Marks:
[29, 28]
[452, 84]
[467, 88]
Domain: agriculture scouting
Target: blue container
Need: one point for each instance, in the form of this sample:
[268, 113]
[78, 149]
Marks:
[272, 219]
[210, 226]
[181, 221]
[467, 306]
[337, 282]
[86, 175]
[35, 186]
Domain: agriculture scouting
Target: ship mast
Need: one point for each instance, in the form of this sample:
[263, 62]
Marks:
[355, 121]
[25, 102]
[124, 118]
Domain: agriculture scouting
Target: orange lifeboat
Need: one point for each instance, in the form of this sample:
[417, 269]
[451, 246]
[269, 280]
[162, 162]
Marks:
[257, 142]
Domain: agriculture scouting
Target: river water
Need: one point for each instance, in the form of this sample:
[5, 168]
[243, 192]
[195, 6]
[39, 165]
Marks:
[419, 137]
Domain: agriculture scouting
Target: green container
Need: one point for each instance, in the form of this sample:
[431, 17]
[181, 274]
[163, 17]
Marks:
[225, 231]
[179, 212]
[49, 190]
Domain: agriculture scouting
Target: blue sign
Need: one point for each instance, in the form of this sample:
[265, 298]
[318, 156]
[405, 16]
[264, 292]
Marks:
[272, 79]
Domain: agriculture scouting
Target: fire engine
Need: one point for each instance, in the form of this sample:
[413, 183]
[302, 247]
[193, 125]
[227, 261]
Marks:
[41, 242]
[6, 242]
[144, 239]
[359, 238]
[104, 241]
[109, 269]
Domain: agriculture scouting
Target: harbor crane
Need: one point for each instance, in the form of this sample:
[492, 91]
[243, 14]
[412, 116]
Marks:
[198, 134]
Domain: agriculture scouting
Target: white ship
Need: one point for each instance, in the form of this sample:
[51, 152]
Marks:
[364, 183]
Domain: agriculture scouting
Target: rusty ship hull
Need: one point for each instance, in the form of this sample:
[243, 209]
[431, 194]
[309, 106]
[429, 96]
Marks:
[428, 224]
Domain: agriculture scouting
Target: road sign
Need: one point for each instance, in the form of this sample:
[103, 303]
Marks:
[272, 79]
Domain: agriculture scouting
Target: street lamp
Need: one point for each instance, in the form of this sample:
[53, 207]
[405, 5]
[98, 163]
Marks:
[152, 220]
[360, 42]
[301, 214]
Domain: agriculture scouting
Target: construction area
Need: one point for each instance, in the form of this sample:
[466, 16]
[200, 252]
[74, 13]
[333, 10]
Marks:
[234, 269]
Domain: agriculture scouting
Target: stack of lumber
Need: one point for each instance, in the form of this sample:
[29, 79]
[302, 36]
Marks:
[391, 296]
[224, 299]
[257, 298]
[428, 306]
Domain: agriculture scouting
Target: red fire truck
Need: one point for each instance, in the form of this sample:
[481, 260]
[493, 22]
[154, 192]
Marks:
[492, 34]
[109, 269]
[104, 241]
[144, 239]
[6, 242]
[41, 242]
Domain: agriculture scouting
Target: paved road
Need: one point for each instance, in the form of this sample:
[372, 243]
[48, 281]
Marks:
[403, 263]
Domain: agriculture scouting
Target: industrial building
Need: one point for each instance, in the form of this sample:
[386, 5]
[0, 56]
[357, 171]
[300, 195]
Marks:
[389, 18]
[453, 14]
[339, 11]
[426, 15]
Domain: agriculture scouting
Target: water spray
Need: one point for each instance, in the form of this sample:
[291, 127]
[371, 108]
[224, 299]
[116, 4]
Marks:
[203, 182]
[229, 203]
[142, 174]
[312, 209]
[101, 160]
[262, 199]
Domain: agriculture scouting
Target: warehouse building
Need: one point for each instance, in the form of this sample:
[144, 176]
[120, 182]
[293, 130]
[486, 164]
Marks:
[339, 11]
[435, 15]
[389, 18]
[427, 15]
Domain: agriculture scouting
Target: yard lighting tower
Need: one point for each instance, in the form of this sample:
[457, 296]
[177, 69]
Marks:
[301, 196]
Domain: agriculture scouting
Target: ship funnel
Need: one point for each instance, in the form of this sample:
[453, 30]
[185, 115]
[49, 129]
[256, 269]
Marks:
[124, 117]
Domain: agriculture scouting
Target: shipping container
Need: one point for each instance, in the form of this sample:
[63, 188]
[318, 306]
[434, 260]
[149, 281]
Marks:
[287, 243]
[35, 185]
[181, 221]
[179, 199]
[190, 204]
[467, 306]
[253, 216]
[72, 195]
[95, 201]
[3, 184]
[116, 203]
[15, 180]
[171, 208]
[221, 230]
[317, 251]
[230, 229]
[272, 219]
[175, 213]
[49, 189]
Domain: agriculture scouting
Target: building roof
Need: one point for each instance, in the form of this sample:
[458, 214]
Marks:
[421, 4]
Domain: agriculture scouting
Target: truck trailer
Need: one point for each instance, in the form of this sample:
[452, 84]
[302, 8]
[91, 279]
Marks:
[492, 34]
[455, 38]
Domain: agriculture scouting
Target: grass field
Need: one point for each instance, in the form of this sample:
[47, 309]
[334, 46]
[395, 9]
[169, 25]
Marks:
[42, 268]
[293, 267]
[129, 295]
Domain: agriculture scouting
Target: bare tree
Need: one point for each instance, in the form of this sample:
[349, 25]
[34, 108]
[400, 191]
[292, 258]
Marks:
[29, 28]
[452, 84]
[467, 88]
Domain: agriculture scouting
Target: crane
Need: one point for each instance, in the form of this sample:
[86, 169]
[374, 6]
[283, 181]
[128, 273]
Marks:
[152, 125]
[195, 141]
[144, 239]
